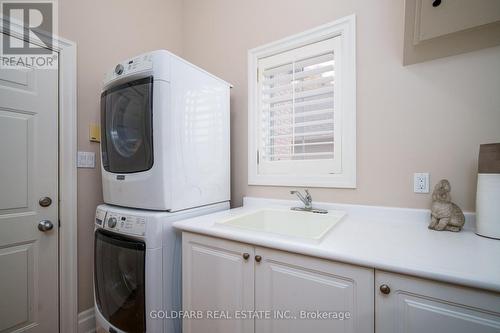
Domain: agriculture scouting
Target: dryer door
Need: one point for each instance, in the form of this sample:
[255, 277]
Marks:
[127, 126]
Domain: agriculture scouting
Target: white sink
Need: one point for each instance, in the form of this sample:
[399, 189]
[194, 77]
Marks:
[285, 222]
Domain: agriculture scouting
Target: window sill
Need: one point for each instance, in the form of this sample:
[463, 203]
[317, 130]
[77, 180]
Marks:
[327, 181]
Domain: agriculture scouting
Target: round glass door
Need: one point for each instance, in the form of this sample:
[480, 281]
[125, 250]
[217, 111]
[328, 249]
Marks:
[127, 127]
[127, 124]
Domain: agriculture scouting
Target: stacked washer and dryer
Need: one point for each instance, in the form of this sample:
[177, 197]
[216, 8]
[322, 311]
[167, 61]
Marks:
[165, 157]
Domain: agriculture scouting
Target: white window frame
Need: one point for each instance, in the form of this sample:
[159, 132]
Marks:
[345, 175]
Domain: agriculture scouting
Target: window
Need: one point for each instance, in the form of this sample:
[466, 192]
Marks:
[302, 116]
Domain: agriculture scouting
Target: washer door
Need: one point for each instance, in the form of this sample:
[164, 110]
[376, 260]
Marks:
[119, 280]
[127, 129]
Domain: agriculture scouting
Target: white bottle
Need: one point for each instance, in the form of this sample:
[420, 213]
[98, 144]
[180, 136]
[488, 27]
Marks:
[488, 191]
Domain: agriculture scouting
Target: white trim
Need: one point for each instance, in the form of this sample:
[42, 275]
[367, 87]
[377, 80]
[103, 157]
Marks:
[68, 259]
[86, 321]
[346, 28]
[68, 263]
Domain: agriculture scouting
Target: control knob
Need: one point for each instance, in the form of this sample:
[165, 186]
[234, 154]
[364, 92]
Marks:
[112, 222]
[119, 69]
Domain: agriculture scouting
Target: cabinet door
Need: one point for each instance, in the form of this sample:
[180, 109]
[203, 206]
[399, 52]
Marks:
[291, 285]
[452, 16]
[414, 305]
[216, 277]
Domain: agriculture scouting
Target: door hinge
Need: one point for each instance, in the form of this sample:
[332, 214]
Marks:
[258, 157]
[258, 75]
[58, 223]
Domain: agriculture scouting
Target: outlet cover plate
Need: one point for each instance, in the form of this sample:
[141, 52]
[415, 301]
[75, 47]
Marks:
[421, 182]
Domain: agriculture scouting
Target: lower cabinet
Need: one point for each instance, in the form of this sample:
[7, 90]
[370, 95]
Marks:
[306, 289]
[216, 278]
[405, 304]
[232, 287]
[264, 290]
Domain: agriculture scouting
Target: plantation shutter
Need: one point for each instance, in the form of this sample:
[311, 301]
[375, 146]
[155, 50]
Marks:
[299, 128]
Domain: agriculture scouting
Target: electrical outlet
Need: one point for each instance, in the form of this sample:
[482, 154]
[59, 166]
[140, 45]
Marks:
[421, 182]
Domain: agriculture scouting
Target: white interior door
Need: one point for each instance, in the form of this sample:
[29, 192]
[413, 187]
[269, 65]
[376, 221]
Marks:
[28, 172]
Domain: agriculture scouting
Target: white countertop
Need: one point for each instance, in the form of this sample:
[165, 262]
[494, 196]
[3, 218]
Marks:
[391, 239]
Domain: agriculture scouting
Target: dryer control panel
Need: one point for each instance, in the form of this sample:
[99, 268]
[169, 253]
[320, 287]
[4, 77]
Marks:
[130, 66]
[127, 224]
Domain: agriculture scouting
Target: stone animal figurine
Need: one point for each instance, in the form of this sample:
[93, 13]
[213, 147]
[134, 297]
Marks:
[445, 215]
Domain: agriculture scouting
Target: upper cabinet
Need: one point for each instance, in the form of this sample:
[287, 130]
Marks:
[440, 28]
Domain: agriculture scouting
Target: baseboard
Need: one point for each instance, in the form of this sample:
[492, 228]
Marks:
[86, 321]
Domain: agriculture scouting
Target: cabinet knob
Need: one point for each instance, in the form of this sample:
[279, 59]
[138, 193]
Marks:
[384, 289]
[258, 258]
[246, 256]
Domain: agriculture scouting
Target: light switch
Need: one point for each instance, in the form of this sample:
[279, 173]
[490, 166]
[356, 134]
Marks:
[86, 159]
[95, 133]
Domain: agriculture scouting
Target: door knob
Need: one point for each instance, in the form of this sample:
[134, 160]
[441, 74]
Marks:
[45, 225]
[258, 258]
[45, 202]
[246, 256]
[436, 3]
[384, 289]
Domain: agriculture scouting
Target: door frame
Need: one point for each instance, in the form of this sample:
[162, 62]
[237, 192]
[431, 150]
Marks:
[67, 114]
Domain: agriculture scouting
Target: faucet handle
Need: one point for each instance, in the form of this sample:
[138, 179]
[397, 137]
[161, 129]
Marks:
[299, 195]
[308, 195]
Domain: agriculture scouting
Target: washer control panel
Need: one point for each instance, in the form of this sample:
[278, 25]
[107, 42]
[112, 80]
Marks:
[100, 216]
[127, 224]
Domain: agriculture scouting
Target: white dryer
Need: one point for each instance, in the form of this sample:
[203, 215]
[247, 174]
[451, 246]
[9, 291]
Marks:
[137, 268]
[165, 134]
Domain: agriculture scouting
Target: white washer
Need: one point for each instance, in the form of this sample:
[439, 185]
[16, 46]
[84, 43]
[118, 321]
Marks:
[164, 134]
[137, 267]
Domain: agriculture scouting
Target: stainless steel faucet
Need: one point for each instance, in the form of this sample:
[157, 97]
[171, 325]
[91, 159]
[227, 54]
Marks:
[307, 200]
